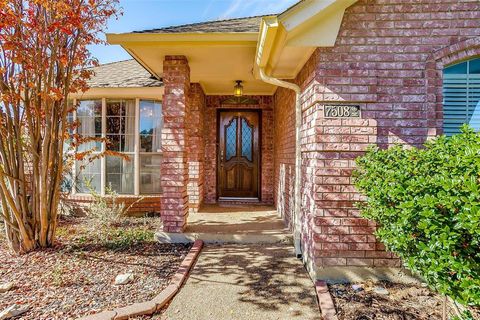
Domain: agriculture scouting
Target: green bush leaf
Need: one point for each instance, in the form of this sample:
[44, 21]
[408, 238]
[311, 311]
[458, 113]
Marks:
[426, 202]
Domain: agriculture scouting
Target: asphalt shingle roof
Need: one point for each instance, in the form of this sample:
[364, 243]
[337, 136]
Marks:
[122, 74]
[249, 24]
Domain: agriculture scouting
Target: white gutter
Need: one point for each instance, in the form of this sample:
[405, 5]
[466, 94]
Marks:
[298, 156]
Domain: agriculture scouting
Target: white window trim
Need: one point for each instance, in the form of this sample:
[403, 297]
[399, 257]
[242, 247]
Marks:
[136, 154]
[103, 160]
[136, 160]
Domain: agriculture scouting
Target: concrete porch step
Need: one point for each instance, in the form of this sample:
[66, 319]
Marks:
[220, 238]
[232, 224]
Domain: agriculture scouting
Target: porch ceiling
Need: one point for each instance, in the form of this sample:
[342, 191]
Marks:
[216, 60]
[238, 51]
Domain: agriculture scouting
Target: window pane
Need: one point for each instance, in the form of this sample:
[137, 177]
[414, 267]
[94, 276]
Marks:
[460, 68]
[474, 100]
[67, 179]
[474, 66]
[121, 125]
[68, 140]
[150, 174]
[146, 143]
[88, 172]
[461, 96]
[247, 140]
[151, 122]
[120, 174]
[231, 140]
[89, 108]
[89, 114]
[120, 108]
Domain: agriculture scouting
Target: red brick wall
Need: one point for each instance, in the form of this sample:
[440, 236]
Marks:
[284, 153]
[284, 164]
[388, 59]
[137, 205]
[196, 147]
[214, 103]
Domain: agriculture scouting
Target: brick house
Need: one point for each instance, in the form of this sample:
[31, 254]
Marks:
[318, 84]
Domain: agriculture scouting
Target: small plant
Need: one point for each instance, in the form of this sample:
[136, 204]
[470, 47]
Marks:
[57, 276]
[105, 210]
[120, 238]
[109, 224]
[427, 206]
[66, 208]
[466, 315]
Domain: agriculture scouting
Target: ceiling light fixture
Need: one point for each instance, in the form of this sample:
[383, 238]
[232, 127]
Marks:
[238, 89]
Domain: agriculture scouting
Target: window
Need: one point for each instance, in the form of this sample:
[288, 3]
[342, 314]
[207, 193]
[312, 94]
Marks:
[461, 96]
[133, 129]
[120, 131]
[89, 114]
[151, 123]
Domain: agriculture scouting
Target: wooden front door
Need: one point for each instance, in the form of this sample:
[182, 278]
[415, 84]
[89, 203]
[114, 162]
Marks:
[239, 154]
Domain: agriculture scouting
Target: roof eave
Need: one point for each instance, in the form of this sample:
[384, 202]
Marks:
[159, 38]
[308, 25]
[155, 93]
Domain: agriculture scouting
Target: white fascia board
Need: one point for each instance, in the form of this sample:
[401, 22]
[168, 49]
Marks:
[303, 12]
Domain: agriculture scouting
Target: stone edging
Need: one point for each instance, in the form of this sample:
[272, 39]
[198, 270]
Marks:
[325, 301]
[159, 301]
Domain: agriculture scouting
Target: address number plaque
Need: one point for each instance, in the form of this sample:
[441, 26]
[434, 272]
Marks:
[342, 111]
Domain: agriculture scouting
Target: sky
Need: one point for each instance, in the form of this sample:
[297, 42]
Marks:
[151, 14]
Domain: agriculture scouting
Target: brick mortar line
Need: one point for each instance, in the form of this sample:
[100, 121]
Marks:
[160, 300]
[325, 302]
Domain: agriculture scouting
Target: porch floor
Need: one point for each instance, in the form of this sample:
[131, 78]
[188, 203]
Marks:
[235, 219]
[232, 224]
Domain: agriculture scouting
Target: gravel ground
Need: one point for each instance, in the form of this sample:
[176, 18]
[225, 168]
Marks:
[76, 277]
[403, 302]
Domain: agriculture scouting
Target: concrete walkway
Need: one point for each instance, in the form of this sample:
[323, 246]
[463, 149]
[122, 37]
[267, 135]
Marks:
[232, 224]
[246, 282]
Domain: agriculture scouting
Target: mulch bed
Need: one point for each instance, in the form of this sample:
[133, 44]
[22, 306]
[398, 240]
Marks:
[403, 302]
[76, 277]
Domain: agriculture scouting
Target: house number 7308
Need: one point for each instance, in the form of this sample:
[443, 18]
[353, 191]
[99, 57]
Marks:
[345, 111]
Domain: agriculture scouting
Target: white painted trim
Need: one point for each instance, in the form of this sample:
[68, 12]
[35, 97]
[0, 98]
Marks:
[155, 93]
[136, 163]
[124, 39]
[103, 160]
[74, 168]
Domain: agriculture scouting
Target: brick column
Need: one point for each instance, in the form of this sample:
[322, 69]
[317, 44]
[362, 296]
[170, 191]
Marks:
[174, 180]
[196, 147]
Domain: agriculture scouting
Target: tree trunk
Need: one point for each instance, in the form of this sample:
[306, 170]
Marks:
[16, 242]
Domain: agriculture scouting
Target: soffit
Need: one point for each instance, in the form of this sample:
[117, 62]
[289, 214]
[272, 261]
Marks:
[216, 60]
[287, 41]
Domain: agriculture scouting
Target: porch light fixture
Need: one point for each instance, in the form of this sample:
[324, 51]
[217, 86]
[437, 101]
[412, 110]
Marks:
[238, 89]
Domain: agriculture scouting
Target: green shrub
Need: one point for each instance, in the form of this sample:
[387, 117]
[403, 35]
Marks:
[427, 204]
[121, 238]
[108, 224]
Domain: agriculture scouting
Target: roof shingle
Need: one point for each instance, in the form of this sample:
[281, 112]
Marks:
[248, 24]
[122, 74]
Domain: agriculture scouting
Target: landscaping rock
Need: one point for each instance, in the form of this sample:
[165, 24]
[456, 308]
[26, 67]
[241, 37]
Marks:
[13, 311]
[381, 290]
[7, 286]
[124, 278]
[357, 287]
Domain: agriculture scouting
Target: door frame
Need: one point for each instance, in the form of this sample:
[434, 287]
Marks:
[217, 154]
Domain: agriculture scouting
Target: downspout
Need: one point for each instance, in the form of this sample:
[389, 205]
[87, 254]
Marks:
[298, 156]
